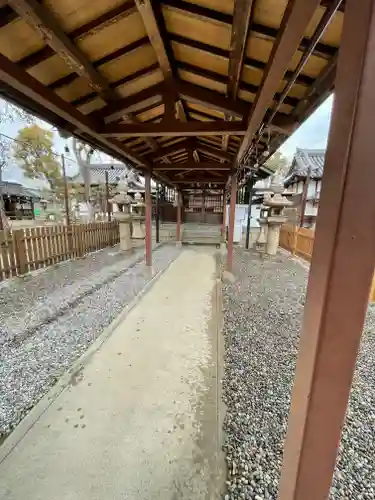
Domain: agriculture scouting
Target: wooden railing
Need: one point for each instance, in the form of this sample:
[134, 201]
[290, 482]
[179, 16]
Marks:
[300, 241]
[25, 250]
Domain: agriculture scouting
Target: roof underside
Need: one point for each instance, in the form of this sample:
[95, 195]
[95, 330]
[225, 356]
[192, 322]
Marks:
[188, 89]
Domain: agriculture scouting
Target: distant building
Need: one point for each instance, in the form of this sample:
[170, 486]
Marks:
[307, 166]
[115, 172]
[18, 201]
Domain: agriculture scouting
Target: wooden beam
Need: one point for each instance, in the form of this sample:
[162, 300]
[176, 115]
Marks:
[7, 15]
[126, 9]
[295, 22]
[23, 82]
[215, 153]
[42, 20]
[173, 129]
[203, 180]
[258, 30]
[196, 156]
[209, 165]
[153, 21]
[240, 27]
[212, 99]
[170, 150]
[80, 101]
[115, 110]
[224, 54]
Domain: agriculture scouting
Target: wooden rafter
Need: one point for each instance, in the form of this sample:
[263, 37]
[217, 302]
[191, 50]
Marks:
[153, 21]
[121, 11]
[210, 98]
[240, 27]
[215, 153]
[265, 32]
[21, 81]
[173, 129]
[295, 21]
[194, 166]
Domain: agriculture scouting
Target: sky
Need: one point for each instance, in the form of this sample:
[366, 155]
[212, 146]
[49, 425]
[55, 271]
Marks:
[313, 134]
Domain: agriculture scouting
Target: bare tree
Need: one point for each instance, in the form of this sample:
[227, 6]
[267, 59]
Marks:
[83, 153]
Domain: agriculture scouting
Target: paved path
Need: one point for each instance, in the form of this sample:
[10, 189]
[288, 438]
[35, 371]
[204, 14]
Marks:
[140, 420]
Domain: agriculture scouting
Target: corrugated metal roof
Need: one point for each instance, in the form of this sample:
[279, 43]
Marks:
[306, 162]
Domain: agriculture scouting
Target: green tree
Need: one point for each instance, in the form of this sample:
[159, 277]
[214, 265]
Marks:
[33, 152]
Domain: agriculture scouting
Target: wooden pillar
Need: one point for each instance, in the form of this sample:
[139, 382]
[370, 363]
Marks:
[157, 215]
[232, 210]
[224, 225]
[178, 225]
[148, 203]
[341, 270]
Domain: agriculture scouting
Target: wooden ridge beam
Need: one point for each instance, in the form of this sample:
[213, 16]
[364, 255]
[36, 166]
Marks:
[242, 14]
[193, 166]
[296, 19]
[23, 82]
[126, 9]
[173, 129]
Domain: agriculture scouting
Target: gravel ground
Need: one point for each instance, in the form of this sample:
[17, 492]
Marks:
[64, 310]
[262, 315]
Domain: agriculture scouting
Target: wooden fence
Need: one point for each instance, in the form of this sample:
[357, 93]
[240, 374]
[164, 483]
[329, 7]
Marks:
[300, 241]
[25, 250]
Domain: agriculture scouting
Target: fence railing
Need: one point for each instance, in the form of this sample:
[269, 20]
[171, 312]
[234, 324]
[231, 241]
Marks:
[300, 241]
[29, 249]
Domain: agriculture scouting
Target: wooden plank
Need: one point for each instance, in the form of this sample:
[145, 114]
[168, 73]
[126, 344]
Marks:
[4, 255]
[13, 265]
[118, 12]
[173, 129]
[194, 166]
[240, 27]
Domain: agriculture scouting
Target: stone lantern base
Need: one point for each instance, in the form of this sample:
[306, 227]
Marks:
[125, 232]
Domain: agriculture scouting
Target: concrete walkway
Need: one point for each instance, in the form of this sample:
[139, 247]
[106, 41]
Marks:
[140, 421]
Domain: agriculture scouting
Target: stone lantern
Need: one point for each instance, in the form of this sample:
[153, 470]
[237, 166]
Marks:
[262, 237]
[138, 217]
[123, 201]
[275, 219]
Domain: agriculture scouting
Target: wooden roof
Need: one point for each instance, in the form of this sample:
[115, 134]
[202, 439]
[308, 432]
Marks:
[187, 88]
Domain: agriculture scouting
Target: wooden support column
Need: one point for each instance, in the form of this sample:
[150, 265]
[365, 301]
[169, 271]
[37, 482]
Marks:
[232, 210]
[148, 203]
[223, 227]
[341, 270]
[157, 213]
[178, 225]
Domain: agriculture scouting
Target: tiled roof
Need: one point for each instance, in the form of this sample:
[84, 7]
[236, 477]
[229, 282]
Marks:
[115, 171]
[16, 189]
[306, 161]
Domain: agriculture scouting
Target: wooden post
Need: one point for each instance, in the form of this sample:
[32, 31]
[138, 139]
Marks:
[20, 249]
[178, 225]
[248, 225]
[148, 219]
[224, 225]
[108, 205]
[157, 208]
[341, 270]
[232, 210]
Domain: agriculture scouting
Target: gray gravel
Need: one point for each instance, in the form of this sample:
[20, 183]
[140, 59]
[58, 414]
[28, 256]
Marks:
[64, 310]
[262, 315]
